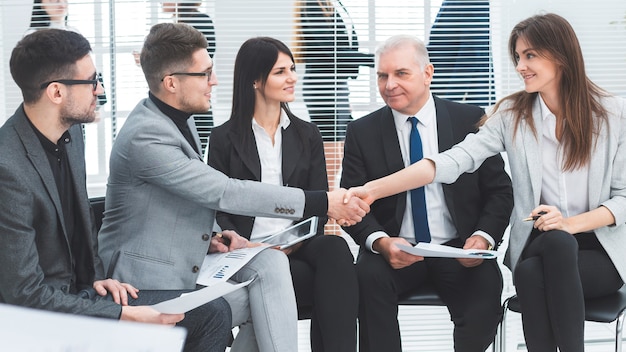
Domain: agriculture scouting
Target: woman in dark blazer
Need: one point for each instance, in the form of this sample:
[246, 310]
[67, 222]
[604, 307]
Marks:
[264, 141]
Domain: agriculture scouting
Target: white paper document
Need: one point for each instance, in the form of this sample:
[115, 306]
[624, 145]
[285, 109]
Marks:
[293, 234]
[195, 299]
[219, 267]
[437, 250]
[33, 330]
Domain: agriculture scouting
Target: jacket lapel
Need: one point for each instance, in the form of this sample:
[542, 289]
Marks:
[597, 168]
[292, 149]
[445, 140]
[37, 157]
[532, 145]
[247, 151]
[389, 135]
[191, 122]
[393, 155]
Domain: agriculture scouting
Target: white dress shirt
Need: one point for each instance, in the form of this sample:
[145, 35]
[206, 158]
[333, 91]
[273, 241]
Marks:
[271, 157]
[439, 219]
[566, 190]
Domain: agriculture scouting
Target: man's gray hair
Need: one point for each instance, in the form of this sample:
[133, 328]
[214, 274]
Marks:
[398, 41]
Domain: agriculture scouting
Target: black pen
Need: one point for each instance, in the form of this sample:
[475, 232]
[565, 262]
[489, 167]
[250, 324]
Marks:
[533, 218]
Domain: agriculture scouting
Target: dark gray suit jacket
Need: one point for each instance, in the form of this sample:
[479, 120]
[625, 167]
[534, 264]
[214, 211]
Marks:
[35, 255]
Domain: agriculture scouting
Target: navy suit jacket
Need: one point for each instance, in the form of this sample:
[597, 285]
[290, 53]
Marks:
[482, 200]
[234, 152]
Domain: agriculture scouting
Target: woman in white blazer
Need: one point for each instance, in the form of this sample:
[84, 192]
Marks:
[566, 143]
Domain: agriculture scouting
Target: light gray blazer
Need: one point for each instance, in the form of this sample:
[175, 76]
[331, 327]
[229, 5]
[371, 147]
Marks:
[607, 179]
[161, 201]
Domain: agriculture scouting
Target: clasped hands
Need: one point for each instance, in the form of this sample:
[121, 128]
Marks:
[348, 207]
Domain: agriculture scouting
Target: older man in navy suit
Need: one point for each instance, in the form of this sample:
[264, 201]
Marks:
[471, 213]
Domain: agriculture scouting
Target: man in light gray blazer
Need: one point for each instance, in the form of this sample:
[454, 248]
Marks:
[48, 248]
[162, 198]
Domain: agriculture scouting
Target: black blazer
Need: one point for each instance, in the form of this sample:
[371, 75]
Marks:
[234, 153]
[482, 200]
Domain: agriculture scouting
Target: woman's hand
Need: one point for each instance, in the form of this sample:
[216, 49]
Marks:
[549, 218]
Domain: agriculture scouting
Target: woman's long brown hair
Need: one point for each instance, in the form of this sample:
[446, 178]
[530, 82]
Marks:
[552, 37]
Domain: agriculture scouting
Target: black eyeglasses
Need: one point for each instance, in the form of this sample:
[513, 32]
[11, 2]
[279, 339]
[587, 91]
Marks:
[71, 82]
[193, 74]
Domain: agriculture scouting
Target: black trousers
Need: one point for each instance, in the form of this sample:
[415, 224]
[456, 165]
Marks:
[556, 272]
[472, 296]
[324, 278]
[208, 326]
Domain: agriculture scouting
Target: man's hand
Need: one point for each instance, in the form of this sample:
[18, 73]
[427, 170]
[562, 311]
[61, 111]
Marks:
[145, 314]
[396, 257]
[119, 291]
[474, 242]
[227, 241]
[348, 211]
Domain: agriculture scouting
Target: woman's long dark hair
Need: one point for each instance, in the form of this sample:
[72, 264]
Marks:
[254, 62]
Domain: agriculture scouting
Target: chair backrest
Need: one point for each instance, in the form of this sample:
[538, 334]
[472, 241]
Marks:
[97, 204]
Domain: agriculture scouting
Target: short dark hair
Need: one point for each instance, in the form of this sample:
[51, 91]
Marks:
[46, 55]
[169, 47]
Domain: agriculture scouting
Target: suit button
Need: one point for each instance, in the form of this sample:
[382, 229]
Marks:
[277, 210]
[206, 237]
[291, 211]
[195, 269]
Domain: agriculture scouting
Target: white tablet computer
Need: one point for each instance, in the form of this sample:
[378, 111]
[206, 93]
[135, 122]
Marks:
[293, 234]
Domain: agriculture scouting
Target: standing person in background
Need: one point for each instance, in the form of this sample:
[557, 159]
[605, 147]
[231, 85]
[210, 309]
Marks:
[471, 213]
[326, 41]
[565, 140]
[49, 14]
[459, 45]
[264, 141]
[189, 13]
[53, 14]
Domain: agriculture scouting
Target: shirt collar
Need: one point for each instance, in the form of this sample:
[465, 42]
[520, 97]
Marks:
[425, 115]
[283, 123]
[545, 111]
[47, 144]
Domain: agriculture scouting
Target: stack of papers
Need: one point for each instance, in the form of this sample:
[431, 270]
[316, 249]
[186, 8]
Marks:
[191, 300]
[437, 250]
[219, 267]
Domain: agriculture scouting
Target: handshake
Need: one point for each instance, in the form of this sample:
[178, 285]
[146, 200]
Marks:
[348, 207]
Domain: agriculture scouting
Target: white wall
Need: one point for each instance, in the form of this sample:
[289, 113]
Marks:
[14, 20]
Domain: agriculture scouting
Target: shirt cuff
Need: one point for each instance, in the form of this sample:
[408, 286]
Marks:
[315, 204]
[369, 241]
[486, 236]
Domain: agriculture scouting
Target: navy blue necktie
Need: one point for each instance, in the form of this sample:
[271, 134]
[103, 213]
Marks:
[418, 199]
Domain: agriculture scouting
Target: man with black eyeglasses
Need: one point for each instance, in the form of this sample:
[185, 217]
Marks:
[162, 198]
[48, 245]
